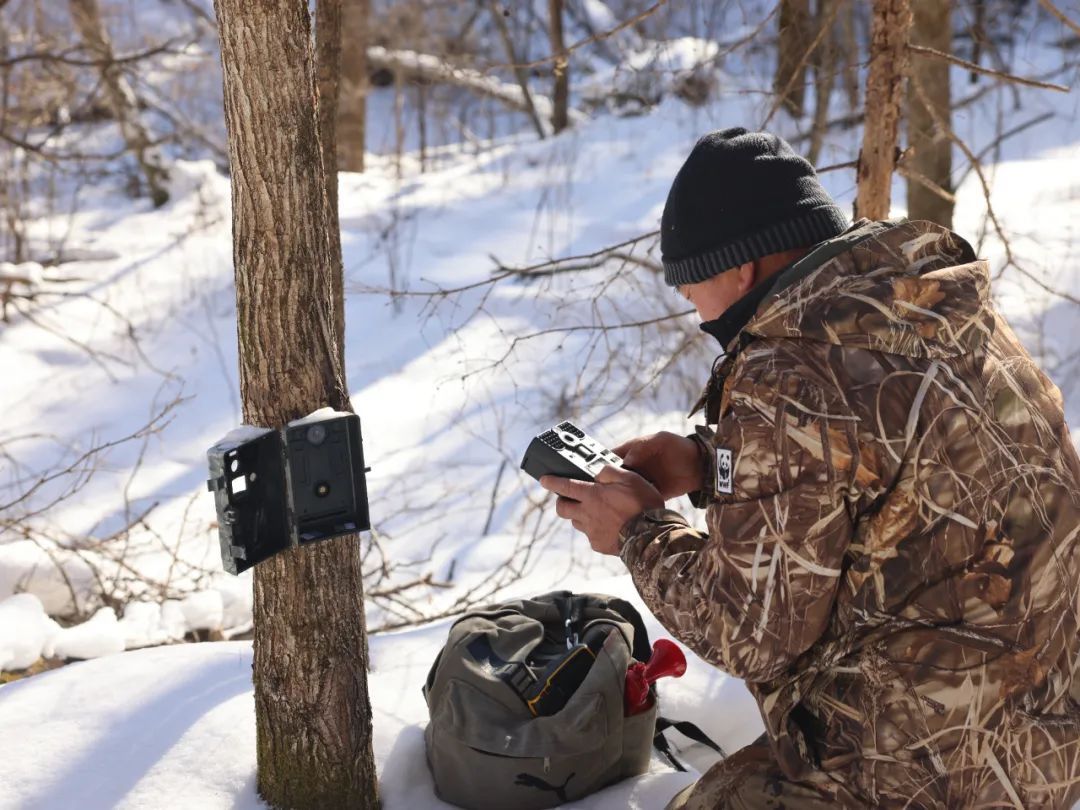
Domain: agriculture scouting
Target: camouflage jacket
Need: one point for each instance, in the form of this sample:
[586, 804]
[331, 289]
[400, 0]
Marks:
[893, 519]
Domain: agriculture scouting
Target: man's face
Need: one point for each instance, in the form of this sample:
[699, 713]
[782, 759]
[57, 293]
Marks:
[712, 297]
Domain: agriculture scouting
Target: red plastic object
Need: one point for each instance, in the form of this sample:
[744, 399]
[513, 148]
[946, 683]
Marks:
[667, 660]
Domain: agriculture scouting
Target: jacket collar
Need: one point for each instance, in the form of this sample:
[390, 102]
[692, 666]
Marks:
[738, 315]
[735, 318]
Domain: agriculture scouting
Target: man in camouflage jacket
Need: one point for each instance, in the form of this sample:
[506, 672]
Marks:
[892, 505]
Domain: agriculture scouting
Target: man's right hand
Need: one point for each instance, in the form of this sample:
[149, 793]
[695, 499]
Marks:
[669, 462]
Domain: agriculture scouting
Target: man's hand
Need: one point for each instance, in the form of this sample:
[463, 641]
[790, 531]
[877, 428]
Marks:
[671, 463]
[600, 509]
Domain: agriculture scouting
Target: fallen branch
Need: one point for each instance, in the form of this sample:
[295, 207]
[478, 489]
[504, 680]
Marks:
[428, 68]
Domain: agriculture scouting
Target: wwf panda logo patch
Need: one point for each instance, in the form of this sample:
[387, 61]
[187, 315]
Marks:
[723, 470]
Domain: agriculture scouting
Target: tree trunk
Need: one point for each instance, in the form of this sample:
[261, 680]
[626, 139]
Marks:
[328, 58]
[352, 94]
[498, 14]
[889, 33]
[931, 148]
[825, 63]
[560, 96]
[312, 712]
[121, 99]
[792, 58]
[850, 48]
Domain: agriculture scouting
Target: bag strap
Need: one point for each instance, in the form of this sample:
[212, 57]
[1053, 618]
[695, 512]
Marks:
[513, 673]
[642, 648]
[687, 729]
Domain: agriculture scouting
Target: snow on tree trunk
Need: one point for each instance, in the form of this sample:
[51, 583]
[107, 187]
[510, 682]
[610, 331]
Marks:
[312, 711]
[884, 90]
[352, 94]
[931, 148]
[120, 98]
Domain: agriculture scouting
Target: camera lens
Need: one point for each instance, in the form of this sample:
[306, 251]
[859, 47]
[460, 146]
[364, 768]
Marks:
[316, 434]
[322, 489]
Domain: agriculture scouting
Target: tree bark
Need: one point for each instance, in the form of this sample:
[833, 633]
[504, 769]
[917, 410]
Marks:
[352, 94]
[328, 15]
[312, 711]
[931, 148]
[889, 34]
[560, 96]
[121, 99]
[791, 61]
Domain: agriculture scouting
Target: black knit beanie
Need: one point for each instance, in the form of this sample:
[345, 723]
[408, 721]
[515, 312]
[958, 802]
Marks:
[740, 196]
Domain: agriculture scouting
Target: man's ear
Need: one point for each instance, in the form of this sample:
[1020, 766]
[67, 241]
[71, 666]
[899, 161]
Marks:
[747, 275]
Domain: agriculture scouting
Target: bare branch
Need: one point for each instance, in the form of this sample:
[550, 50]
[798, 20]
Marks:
[590, 39]
[922, 50]
[1061, 16]
[63, 57]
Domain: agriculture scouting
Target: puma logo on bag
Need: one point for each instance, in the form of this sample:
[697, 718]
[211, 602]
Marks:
[528, 780]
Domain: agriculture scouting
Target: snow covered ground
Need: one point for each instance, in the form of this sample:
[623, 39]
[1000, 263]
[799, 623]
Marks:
[174, 727]
[450, 386]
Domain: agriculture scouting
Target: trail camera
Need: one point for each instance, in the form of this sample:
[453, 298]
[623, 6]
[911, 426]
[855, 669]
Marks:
[569, 452]
[288, 487]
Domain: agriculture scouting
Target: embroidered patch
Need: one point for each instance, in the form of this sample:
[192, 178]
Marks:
[723, 470]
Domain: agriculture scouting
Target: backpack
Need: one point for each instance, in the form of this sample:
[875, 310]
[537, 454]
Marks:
[526, 702]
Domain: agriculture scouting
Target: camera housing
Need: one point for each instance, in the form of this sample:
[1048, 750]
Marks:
[288, 487]
[569, 452]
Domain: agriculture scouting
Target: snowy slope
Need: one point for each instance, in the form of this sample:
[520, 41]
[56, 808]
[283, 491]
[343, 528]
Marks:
[449, 389]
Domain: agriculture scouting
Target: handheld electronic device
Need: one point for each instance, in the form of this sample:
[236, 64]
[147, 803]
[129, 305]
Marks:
[569, 452]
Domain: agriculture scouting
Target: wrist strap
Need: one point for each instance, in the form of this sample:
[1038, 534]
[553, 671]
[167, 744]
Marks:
[702, 497]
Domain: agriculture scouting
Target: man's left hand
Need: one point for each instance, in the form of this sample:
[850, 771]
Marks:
[599, 509]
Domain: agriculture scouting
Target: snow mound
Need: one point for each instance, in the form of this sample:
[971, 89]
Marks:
[100, 635]
[26, 632]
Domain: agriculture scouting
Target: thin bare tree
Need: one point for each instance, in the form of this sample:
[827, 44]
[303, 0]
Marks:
[354, 84]
[560, 95]
[794, 36]
[312, 710]
[826, 60]
[889, 34]
[930, 163]
[499, 14]
[121, 98]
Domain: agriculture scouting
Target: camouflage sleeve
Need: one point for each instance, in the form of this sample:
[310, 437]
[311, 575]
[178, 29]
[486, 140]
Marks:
[756, 591]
